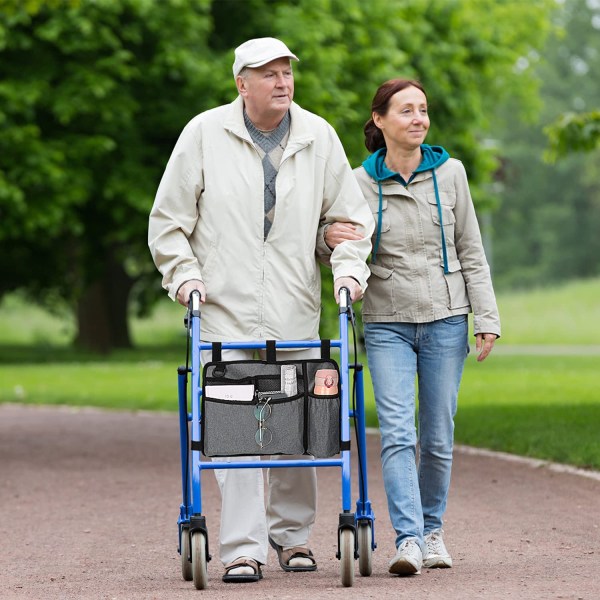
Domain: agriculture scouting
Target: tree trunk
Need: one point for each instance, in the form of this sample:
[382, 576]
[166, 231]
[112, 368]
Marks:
[102, 316]
[93, 330]
[119, 286]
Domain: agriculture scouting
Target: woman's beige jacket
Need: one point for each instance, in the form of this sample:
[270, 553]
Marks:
[407, 282]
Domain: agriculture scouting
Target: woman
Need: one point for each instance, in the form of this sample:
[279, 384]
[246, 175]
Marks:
[428, 271]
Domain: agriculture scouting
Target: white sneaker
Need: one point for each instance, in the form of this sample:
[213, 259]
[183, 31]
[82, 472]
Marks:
[408, 559]
[436, 555]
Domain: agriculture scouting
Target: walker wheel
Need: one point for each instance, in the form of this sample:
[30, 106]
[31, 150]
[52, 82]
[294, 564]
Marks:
[365, 549]
[347, 557]
[199, 572]
[186, 565]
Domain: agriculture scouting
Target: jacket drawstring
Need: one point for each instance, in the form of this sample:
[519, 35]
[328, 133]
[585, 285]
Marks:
[379, 215]
[375, 167]
[439, 208]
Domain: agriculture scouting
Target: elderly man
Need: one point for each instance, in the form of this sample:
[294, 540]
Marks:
[240, 215]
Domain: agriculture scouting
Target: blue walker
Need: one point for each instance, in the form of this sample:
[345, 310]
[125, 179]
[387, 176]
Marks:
[356, 538]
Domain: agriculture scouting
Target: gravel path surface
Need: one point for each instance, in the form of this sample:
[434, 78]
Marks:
[89, 503]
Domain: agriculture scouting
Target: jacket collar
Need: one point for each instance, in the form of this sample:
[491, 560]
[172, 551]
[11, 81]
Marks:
[383, 178]
[391, 186]
[301, 135]
[432, 157]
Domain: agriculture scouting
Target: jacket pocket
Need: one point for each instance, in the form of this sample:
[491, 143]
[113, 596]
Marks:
[447, 215]
[313, 281]
[207, 268]
[209, 261]
[447, 198]
[385, 219]
[379, 297]
[447, 202]
[455, 284]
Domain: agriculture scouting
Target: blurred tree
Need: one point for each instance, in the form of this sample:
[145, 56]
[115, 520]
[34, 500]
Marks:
[573, 132]
[94, 93]
[92, 97]
[469, 56]
[550, 213]
[465, 54]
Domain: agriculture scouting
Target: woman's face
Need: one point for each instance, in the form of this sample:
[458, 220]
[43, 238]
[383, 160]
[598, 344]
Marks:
[406, 123]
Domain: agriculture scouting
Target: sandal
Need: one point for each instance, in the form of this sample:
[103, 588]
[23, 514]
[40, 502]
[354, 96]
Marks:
[285, 556]
[243, 561]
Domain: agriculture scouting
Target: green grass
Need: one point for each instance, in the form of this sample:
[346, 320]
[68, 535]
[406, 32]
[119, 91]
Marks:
[143, 385]
[540, 406]
[545, 407]
[535, 404]
[569, 314]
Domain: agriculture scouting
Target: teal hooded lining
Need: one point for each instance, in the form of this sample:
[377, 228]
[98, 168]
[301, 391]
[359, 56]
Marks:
[433, 157]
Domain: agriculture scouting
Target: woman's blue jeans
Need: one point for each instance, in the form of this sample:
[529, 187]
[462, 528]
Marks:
[435, 354]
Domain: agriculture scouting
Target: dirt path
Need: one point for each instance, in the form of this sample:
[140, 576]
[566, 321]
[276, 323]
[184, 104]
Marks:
[89, 503]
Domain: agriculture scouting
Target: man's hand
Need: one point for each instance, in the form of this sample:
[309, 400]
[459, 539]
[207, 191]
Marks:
[336, 233]
[484, 342]
[353, 286]
[185, 289]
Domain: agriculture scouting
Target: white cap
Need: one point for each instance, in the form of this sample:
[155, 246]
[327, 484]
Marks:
[258, 52]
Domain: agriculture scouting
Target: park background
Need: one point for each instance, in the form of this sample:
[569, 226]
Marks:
[93, 95]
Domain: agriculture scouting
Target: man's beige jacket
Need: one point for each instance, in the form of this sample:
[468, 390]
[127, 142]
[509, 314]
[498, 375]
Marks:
[208, 215]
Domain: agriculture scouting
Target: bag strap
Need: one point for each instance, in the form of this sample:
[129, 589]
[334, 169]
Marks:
[271, 353]
[216, 352]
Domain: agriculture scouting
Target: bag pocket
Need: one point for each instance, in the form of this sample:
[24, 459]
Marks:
[323, 439]
[273, 422]
[232, 428]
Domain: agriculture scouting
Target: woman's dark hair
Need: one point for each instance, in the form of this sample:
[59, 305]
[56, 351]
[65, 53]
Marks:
[381, 103]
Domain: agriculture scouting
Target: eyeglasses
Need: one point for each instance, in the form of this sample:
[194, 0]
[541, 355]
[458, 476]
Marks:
[262, 411]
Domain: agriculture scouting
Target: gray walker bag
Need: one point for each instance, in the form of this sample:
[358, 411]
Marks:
[256, 407]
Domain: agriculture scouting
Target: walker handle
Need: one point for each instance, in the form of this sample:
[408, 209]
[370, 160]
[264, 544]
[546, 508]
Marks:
[344, 294]
[194, 303]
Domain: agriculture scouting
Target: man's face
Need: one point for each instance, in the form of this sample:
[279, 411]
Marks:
[268, 91]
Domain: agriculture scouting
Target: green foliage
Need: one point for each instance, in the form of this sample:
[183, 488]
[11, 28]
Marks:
[94, 93]
[463, 53]
[573, 133]
[546, 227]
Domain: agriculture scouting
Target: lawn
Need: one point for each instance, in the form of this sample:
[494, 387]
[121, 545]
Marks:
[542, 402]
[541, 406]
